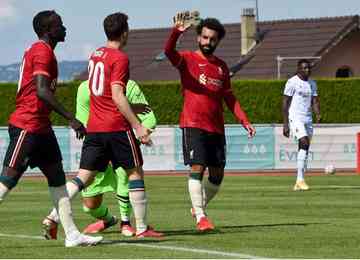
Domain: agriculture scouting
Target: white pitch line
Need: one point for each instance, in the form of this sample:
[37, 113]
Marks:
[194, 250]
[173, 248]
[22, 236]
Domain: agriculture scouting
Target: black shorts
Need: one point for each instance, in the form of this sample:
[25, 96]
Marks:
[203, 148]
[31, 149]
[122, 149]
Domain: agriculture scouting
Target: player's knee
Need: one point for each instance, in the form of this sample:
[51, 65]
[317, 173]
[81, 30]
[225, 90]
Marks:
[10, 177]
[216, 179]
[90, 205]
[9, 181]
[77, 181]
[196, 175]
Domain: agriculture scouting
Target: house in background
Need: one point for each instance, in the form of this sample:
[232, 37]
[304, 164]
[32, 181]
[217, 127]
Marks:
[331, 43]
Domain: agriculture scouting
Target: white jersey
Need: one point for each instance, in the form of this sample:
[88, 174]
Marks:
[301, 92]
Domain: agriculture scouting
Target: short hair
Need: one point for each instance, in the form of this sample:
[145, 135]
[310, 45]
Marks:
[115, 25]
[42, 21]
[303, 61]
[213, 24]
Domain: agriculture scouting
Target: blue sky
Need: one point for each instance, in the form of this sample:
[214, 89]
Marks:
[83, 18]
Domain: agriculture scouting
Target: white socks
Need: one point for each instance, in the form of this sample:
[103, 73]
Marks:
[3, 191]
[72, 189]
[63, 206]
[138, 202]
[209, 191]
[301, 164]
[196, 196]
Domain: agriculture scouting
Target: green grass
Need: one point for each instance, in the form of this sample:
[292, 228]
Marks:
[254, 215]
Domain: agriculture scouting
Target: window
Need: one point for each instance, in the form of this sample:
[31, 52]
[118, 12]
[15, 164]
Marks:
[344, 72]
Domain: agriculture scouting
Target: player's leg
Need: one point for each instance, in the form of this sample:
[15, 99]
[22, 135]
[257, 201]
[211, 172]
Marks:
[216, 163]
[126, 153]
[122, 196]
[8, 180]
[211, 185]
[48, 159]
[194, 152]
[93, 201]
[15, 160]
[88, 165]
[301, 133]
[73, 187]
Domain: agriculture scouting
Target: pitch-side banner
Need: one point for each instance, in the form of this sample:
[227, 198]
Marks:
[329, 145]
[242, 153]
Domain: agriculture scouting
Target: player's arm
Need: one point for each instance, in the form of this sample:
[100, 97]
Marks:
[44, 93]
[83, 102]
[119, 98]
[315, 101]
[285, 112]
[289, 92]
[316, 108]
[180, 26]
[234, 105]
[137, 99]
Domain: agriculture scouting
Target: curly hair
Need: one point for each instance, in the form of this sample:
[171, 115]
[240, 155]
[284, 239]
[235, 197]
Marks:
[301, 61]
[42, 21]
[213, 24]
[115, 25]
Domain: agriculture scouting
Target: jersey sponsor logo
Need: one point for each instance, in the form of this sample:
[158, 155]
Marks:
[215, 82]
[304, 93]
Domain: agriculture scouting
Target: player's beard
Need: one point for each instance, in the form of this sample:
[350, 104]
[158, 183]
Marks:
[207, 49]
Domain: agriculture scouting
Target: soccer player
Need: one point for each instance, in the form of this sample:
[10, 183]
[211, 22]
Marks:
[32, 140]
[299, 100]
[109, 130]
[205, 84]
[111, 180]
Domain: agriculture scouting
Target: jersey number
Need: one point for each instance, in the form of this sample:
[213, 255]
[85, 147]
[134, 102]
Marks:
[96, 71]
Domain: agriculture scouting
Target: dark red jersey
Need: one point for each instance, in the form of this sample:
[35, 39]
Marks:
[31, 113]
[107, 67]
[205, 84]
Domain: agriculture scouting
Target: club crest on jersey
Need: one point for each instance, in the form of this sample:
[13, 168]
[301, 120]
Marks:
[202, 79]
[220, 71]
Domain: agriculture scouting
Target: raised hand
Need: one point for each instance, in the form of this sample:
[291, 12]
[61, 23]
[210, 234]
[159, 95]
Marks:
[182, 21]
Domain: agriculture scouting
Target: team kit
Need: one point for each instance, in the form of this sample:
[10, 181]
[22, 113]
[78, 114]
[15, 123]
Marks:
[113, 119]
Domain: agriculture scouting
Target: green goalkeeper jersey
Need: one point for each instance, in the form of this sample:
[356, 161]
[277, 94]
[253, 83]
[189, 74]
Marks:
[133, 94]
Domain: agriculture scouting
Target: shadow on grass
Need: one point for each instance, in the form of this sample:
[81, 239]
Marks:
[235, 229]
[134, 241]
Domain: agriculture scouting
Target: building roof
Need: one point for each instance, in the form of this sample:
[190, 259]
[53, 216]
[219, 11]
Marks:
[285, 38]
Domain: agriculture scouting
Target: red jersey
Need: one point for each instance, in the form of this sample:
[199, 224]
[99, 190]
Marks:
[107, 67]
[205, 84]
[31, 113]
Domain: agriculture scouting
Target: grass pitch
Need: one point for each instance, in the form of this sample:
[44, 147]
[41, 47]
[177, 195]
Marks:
[255, 217]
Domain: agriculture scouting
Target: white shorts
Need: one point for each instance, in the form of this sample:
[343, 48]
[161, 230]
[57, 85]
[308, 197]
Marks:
[300, 129]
